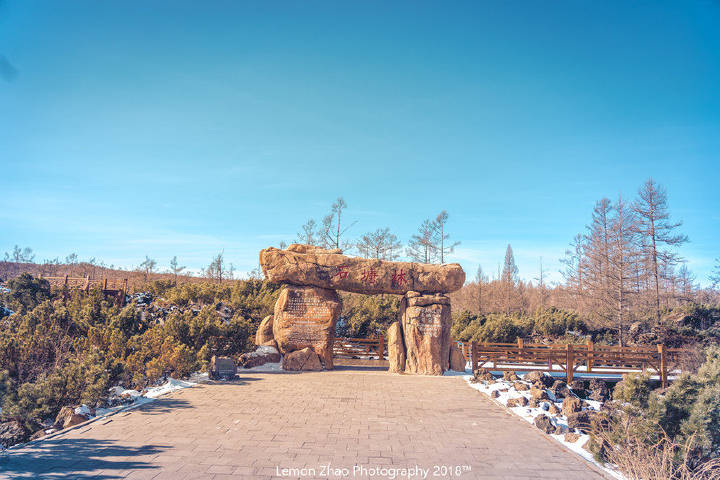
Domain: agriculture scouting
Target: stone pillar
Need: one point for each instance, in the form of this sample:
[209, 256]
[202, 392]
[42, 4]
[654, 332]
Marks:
[426, 324]
[264, 334]
[396, 348]
[306, 317]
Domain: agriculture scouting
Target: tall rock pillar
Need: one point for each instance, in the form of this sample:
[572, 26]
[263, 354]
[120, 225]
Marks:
[426, 324]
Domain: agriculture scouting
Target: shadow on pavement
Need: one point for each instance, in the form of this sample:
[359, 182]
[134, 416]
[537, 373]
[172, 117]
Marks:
[77, 458]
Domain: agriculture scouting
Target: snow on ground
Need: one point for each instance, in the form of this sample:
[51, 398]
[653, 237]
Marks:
[140, 398]
[528, 414]
[267, 367]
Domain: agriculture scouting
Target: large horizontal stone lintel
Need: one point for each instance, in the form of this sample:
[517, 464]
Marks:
[317, 267]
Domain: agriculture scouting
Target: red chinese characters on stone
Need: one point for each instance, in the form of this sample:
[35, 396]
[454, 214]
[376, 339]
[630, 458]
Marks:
[342, 272]
[369, 276]
[398, 278]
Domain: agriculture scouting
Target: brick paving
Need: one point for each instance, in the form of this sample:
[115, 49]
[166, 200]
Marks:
[262, 423]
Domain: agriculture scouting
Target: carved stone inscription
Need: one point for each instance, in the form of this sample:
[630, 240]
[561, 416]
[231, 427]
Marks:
[309, 316]
[429, 322]
[306, 317]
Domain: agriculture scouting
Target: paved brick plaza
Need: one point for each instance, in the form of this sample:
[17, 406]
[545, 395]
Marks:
[251, 427]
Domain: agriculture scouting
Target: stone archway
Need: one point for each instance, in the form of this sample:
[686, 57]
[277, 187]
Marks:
[306, 313]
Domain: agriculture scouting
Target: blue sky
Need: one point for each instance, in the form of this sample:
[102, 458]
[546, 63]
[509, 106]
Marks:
[183, 128]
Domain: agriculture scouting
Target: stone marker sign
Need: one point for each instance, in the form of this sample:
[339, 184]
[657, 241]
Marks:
[222, 367]
[305, 265]
[306, 313]
[306, 317]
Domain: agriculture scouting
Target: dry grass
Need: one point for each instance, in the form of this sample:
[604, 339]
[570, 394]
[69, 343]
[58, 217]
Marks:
[666, 460]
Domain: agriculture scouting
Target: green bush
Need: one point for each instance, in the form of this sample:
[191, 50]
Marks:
[687, 414]
[553, 322]
[65, 348]
[634, 389]
[460, 322]
[498, 328]
[367, 315]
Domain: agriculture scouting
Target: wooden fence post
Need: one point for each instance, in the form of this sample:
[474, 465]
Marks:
[663, 367]
[520, 349]
[590, 349]
[381, 347]
[473, 356]
[569, 363]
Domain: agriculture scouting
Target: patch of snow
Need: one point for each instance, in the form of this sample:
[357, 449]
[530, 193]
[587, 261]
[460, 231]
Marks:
[268, 367]
[139, 398]
[83, 410]
[266, 349]
[170, 386]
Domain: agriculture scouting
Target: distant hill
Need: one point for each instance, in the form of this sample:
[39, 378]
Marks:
[136, 280]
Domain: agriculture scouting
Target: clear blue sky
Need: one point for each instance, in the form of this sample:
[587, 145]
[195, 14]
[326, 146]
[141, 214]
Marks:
[183, 128]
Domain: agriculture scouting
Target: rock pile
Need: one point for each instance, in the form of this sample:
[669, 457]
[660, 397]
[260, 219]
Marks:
[307, 310]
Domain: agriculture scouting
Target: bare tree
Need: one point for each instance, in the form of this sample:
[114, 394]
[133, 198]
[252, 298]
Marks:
[309, 234]
[175, 268]
[72, 259]
[655, 227]
[441, 236]
[421, 247]
[331, 232]
[574, 271]
[686, 283]
[597, 265]
[623, 254]
[218, 270]
[715, 275]
[20, 255]
[379, 244]
[509, 279]
[541, 285]
[481, 279]
[147, 267]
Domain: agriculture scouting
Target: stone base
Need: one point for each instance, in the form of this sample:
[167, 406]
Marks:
[426, 324]
[305, 359]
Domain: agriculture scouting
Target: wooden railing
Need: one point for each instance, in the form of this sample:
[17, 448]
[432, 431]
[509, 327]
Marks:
[585, 358]
[345, 347]
[113, 288]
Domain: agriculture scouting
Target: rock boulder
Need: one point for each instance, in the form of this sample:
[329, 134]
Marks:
[305, 359]
[308, 265]
[457, 359]
[571, 405]
[264, 334]
[306, 317]
[262, 355]
[544, 423]
[12, 433]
